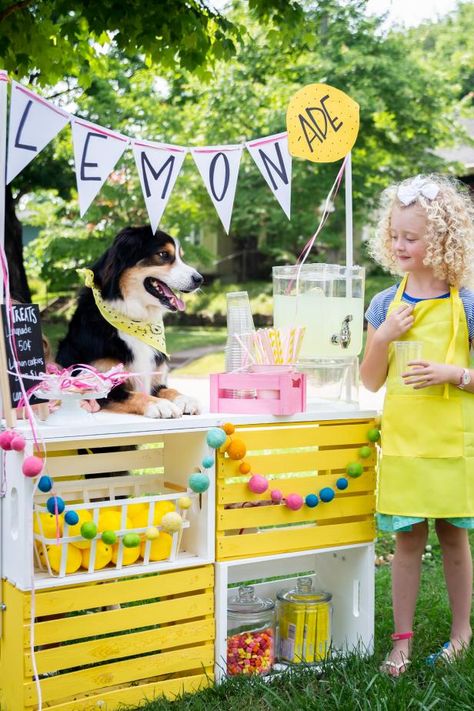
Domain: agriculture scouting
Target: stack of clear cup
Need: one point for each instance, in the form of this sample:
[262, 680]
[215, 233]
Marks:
[239, 346]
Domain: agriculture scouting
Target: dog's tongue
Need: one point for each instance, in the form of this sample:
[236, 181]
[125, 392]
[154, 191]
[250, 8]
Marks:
[177, 303]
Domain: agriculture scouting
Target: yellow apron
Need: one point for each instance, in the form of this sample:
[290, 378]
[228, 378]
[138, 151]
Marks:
[427, 465]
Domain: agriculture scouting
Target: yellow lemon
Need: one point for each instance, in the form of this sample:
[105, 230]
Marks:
[130, 555]
[160, 548]
[103, 556]
[112, 521]
[161, 508]
[73, 558]
[84, 517]
[48, 524]
[133, 510]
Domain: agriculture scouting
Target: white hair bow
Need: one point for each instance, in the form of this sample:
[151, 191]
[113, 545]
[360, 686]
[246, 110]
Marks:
[409, 192]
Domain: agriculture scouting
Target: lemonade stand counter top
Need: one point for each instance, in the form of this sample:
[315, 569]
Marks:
[104, 424]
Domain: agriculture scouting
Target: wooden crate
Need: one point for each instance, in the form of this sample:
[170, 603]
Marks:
[158, 463]
[157, 641]
[297, 458]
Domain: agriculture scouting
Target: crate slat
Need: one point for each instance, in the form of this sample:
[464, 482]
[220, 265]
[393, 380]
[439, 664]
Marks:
[127, 439]
[312, 435]
[277, 463]
[239, 492]
[100, 650]
[64, 600]
[79, 464]
[88, 625]
[122, 672]
[254, 517]
[294, 539]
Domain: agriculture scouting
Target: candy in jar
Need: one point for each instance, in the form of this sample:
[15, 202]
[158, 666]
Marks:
[250, 633]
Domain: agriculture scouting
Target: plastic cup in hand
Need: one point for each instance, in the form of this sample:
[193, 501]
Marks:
[405, 352]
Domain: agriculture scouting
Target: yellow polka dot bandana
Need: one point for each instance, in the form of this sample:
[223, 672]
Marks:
[153, 334]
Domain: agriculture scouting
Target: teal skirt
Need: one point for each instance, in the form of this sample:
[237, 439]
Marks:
[393, 524]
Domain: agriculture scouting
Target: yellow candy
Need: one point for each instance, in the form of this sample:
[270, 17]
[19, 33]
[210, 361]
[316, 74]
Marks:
[73, 558]
[48, 524]
[103, 556]
[129, 555]
[160, 548]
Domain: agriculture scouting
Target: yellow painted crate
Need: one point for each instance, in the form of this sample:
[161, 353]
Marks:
[106, 644]
[298, 458]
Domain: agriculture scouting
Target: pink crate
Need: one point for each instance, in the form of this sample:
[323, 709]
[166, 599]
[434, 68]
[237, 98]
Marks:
[278, 394]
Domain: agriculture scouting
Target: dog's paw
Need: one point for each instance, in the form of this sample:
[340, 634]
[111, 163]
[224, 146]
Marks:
[187, 404]
[162, 408]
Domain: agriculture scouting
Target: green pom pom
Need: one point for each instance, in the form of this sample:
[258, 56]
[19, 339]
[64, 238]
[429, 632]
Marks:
[365, 452]
[131, 540]
[354, 469]
[89, 530]
[373, 435]
[109, 538]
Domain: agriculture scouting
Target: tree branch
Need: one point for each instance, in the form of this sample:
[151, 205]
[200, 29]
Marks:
[14, 8]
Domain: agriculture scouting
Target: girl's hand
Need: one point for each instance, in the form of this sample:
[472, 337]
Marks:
[398, 323]
[425, 373]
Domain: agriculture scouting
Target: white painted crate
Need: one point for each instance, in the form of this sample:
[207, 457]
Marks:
[345, 572]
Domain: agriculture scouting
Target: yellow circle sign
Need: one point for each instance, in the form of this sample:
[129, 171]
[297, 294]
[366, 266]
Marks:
[322, 123]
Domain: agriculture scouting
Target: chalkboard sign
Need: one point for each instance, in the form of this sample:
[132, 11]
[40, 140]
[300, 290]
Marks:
[26, 328]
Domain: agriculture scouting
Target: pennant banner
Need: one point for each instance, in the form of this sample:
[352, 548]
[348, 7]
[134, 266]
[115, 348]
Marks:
[274, 162]
[96, 151]
[158, 166]
[34, 122]
[219, 169]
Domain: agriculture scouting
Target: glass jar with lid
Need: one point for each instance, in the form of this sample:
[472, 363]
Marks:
[250, 633]
[304, 623]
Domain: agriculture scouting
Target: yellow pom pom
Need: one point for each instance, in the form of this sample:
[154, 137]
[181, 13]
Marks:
[184, 502]
[172, 522]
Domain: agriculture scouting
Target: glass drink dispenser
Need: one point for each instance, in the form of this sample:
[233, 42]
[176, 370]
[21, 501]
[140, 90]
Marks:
[326, 298]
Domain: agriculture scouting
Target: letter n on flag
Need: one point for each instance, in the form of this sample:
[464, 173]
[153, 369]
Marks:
[96, 151]
[274, 162]
[158, 166]
[219, 169]
[34, 122]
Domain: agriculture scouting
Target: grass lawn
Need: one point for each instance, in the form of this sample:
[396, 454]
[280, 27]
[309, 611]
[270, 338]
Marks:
[356, 683]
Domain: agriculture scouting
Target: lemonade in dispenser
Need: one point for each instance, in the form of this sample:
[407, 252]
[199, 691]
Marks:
[328, 300]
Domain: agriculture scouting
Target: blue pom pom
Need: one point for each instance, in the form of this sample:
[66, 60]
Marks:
[327, 494]
[71, 518]
[199, 482]
[45, 484]
[216, 437]
[208, 462]
[342, 483]
[311, 501]
[53, 502]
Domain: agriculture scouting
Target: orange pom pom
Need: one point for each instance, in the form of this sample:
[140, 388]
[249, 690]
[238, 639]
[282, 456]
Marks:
[244, 468]
[237, 449]
[228, 428]
[224, 447]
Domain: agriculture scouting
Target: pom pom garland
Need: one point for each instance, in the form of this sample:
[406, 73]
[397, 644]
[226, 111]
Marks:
[45, 484]
[32, 466]
[327, 494]
[258, 484]
[6, 439]
[276, 496]
[216, 437]
[207, 462]
[237, 449]
[294, 501]
[342, 483]
[56, 503]
[71, 518]
[18, 443]
[311, 500]
[199, 482]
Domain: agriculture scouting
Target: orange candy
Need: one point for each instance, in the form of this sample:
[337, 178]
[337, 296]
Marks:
[245, 468]
[237, 449]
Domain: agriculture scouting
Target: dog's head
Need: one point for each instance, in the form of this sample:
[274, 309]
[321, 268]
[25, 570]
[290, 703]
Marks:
[144, 269]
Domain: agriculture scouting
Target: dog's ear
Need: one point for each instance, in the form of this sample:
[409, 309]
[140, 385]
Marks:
[128, 248]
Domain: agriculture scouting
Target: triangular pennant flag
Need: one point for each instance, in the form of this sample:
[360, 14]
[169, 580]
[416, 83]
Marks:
[219, 169]
[274, 162]
[34, 122]
[96, 151]
[158, 166]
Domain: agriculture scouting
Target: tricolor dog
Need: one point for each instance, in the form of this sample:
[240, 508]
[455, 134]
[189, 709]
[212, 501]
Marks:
[119, 319]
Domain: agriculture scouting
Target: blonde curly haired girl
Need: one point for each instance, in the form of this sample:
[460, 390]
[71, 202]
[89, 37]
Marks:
[426, 234]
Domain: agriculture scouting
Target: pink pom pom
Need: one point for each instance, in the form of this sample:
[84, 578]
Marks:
[258, 484]
[294, 501]
[276, 495]
[32, 466]
[18, 443]
[6, 439]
